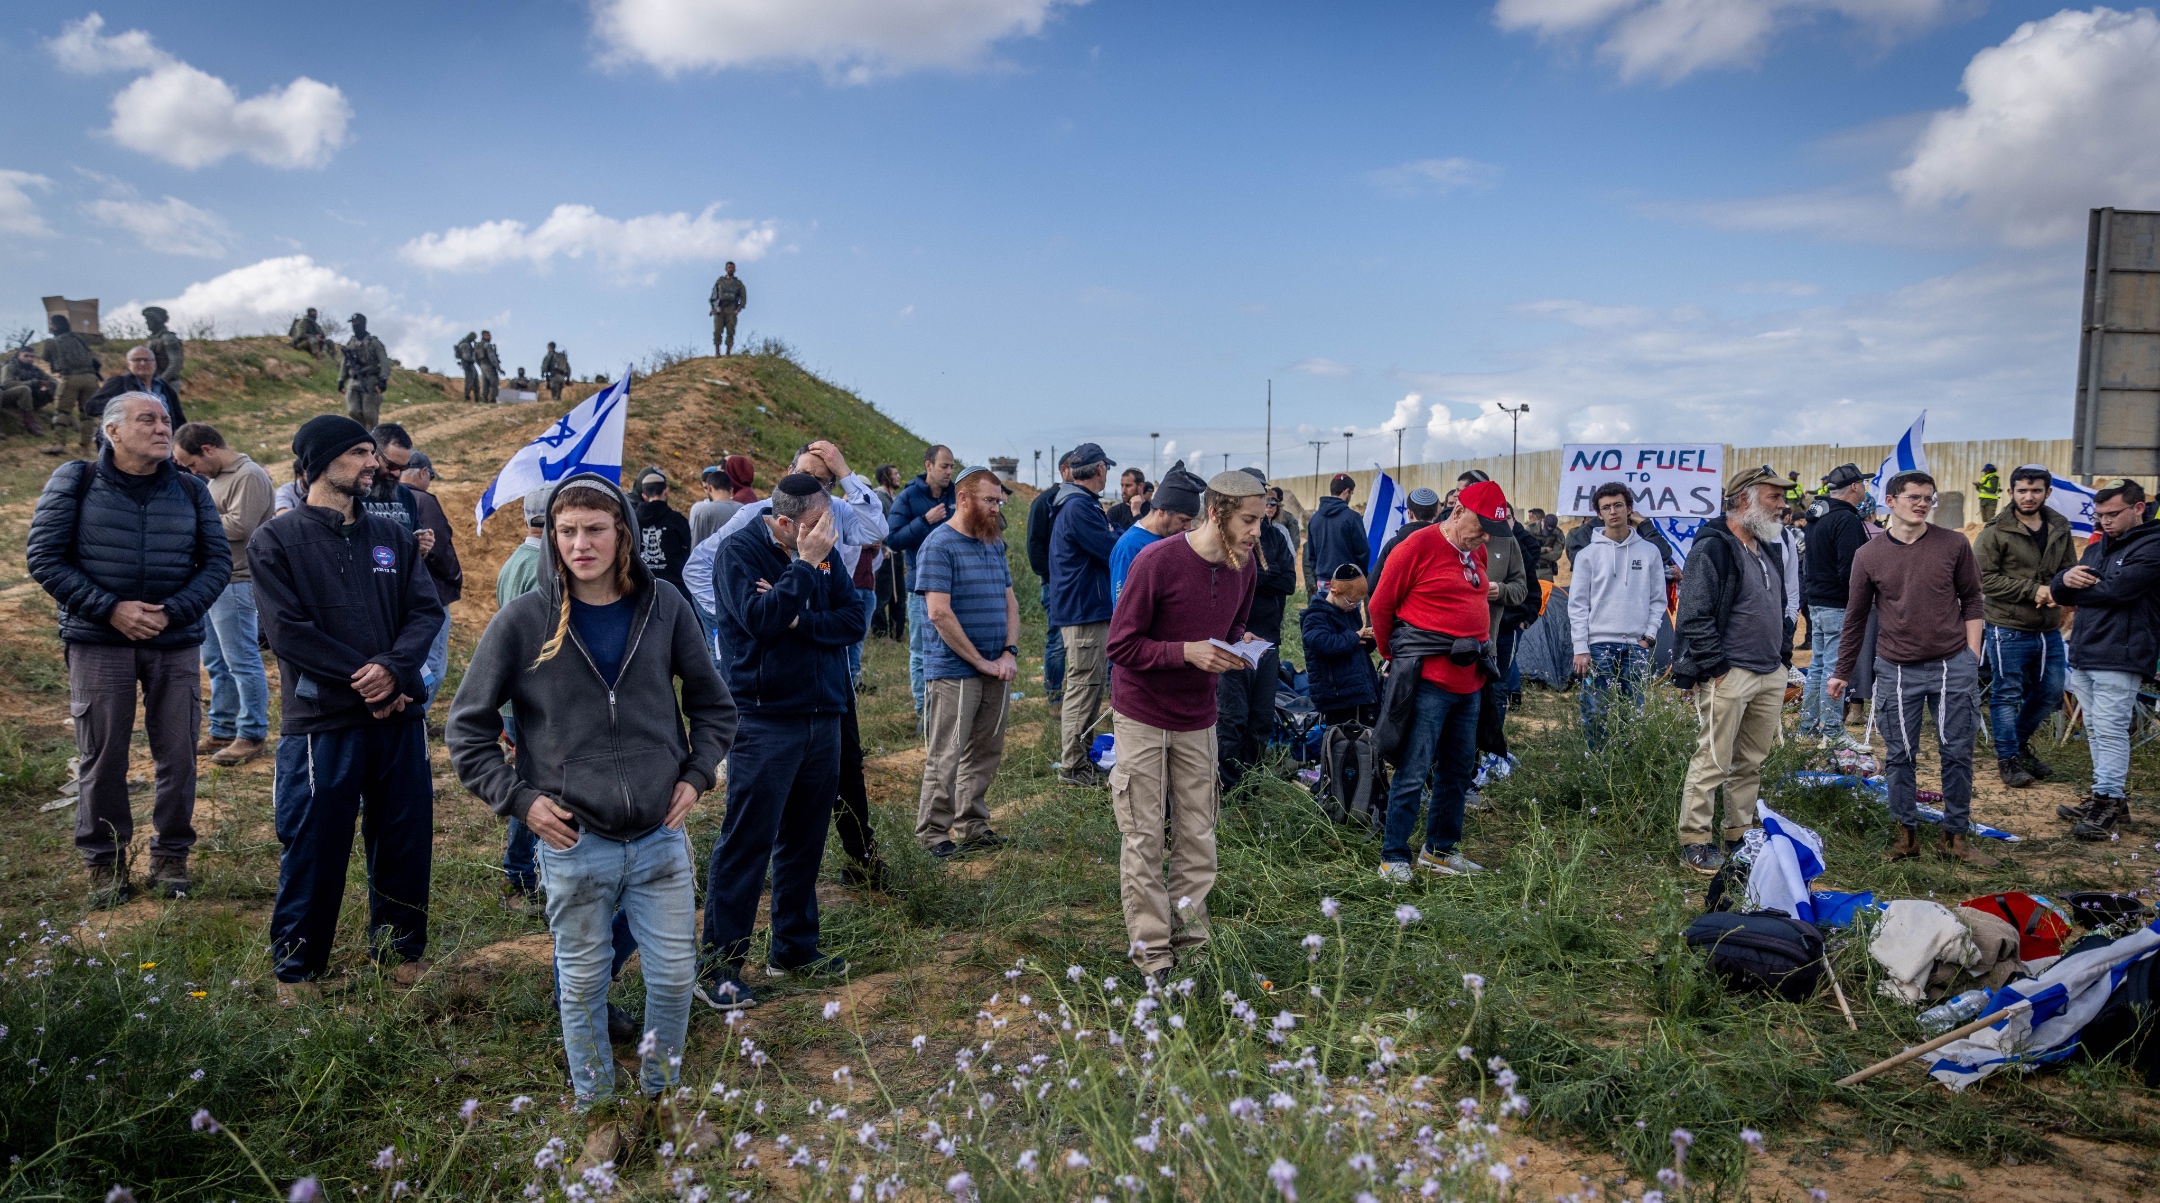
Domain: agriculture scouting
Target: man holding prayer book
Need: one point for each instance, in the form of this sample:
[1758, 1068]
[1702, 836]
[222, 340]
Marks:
[1183, 598]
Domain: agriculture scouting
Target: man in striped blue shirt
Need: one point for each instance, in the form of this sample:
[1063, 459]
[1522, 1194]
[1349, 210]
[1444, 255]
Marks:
[969, 662]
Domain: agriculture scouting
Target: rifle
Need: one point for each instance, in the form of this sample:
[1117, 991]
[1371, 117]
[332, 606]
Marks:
[367, 376]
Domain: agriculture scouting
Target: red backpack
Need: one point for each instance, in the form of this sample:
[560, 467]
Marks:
[2040, 927]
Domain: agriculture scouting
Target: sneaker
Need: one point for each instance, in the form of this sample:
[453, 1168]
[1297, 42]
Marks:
[2102, 815]
[727, 993]
[944, 850]
[238, 752]
[2040, 769]
[982, 841]
[1471, 800]
[1450, 864]
[169, 876]
[1703, 858]
[1395, 872]
[109, 886]
[621, 1029]
[824, 964]
[2013, 772]
[1086, 777]
[292, 994]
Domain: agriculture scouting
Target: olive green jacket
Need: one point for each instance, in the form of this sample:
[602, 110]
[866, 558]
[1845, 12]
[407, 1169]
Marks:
[2014, 564]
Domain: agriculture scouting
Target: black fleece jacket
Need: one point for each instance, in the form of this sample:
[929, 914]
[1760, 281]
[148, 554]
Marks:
[2117, 628]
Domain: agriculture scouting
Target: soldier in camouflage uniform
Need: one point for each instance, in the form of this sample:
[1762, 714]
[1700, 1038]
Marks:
[170, 351]
[729, 298]
[364, 372]
[490, 363]
[466, 358]
[79, 374]
[555, 369]
[24, 386]
[307, 335]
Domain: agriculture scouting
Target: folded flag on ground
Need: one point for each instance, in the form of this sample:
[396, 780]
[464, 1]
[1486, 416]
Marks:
[2064, 1000]
[1881, 789]
[1790, 856]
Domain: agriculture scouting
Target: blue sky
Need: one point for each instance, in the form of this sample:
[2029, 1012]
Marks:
[1017, 224]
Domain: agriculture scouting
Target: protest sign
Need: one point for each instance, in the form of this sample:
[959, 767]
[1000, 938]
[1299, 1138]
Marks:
[1669, 480]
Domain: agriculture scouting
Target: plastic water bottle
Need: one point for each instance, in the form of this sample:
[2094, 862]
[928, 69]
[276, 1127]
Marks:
[1951, 1012]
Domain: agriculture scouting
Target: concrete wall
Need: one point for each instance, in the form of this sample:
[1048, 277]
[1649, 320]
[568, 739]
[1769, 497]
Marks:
[1955, 467]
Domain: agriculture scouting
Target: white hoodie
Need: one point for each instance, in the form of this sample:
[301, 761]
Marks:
[1617, 594]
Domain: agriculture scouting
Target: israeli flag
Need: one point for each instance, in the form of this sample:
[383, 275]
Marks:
[2075, 502]
[587, 439]
[1385, 512]
[1680, 532]
[2064, 999]
[1910, 456]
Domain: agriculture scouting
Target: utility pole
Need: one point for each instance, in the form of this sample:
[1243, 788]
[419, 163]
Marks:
[1038, 467]
[1152, 436]
[1515, 450]
[1226, 461]
[1398, 457]
[1317, 444]
[1268, 463]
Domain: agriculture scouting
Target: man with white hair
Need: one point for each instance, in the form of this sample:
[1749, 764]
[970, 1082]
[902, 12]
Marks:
[1732, 648]
[134, 555]
[141, 377]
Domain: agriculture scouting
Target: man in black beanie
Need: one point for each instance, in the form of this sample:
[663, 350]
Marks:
[788, 612]
[350, 611]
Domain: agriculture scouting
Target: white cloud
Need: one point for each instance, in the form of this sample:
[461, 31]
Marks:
[852, 41]
[1434, 177]
[2058, 119]
[575, 231]
[18, 213]
[191, 118]
[264, 297]
[1329, 368]
[171, 226]
[1406, 413]
[1672, 39]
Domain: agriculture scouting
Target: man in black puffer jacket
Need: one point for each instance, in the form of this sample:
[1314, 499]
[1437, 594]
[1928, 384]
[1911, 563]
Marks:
[133, 553]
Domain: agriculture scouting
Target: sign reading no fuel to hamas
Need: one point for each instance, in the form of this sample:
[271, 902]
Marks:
[1669, 480]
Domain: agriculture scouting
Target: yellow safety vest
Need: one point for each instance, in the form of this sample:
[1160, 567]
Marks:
[1990, 488]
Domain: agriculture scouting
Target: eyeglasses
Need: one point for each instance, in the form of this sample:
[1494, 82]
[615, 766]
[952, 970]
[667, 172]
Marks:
[1926, 503]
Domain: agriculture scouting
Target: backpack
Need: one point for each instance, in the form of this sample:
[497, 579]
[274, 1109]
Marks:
[1762, 950]
[2126, 1028]
[1353, 782]
[2040, 930]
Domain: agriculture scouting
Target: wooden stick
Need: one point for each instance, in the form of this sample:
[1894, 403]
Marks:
[1838, 990]
[1957, 1033]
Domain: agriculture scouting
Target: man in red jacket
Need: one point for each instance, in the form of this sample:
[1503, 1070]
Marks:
[1440, 587]
[1185, 601]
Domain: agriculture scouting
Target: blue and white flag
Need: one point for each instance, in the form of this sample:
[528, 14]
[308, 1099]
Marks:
[1909, 456]
[587, 439]
[2075, 502]
[2064, 999]
[1680, 532]
[1790, 857]
[1384, 513]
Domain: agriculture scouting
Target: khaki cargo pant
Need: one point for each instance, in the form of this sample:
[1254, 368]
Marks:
[68, 402]
[1739, 716]
[1163, 774]
[964, 728]
[1087, 682]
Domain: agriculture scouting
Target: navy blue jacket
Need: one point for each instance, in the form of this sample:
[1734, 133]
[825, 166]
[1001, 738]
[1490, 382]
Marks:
[169, 551]
[1337, 665]
[1335, 537]
[786, 647]
[1835, 531]
[330, 604]
[908, 527]
[2118, 619]
[1080, 541]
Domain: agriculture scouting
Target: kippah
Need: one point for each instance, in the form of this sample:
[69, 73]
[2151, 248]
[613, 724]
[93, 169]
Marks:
[1346, 572]
[1424, 496]
[799, 484]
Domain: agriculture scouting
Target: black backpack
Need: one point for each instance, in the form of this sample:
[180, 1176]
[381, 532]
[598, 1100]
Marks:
[1353, 781]
[1763, 950]
[2127, 1029]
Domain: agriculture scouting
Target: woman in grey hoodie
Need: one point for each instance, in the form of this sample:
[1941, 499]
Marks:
[605, 775]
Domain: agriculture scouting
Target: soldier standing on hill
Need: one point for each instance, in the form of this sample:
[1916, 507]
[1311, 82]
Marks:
[363, 374]
[170, 351]
[729, 298]
[77, 367]
[490, 362]
[555, 369]
[467, 357]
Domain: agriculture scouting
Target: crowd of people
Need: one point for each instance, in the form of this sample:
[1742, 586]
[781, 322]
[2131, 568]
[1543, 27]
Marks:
[639, 657]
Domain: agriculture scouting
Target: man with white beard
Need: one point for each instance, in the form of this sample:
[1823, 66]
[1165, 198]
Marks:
[1733, 646]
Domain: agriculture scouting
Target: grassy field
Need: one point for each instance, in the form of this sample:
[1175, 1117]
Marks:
[1533, 1032]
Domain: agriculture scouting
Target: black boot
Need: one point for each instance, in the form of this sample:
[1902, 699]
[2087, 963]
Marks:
[2040, 769]
[2077, 813]
[2013, 772]
[2100, 820]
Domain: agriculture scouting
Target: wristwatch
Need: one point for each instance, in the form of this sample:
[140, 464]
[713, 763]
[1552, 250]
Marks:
[1012, 650]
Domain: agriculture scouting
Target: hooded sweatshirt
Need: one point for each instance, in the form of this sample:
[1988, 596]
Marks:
[1618, 592]
[739, 474]
[609, 753]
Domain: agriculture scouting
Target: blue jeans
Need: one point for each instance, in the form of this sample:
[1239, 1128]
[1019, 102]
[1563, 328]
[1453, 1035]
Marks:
[1442, 748]
[437, 662]
[918, 626]
[1053, 653]
[2028, 669]
[1614, 668]
[1820, 714]
[783, 775]
[378, 775]
[239, 692]
[854, 652]
[2109, 700]
[592, 886]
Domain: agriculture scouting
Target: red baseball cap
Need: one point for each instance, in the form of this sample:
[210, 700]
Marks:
[1485, 499]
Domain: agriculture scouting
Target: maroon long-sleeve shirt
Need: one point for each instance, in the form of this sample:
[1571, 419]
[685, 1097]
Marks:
[1922, 594]
[1173, 597]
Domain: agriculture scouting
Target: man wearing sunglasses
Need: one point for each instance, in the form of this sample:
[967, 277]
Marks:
[1922, 584]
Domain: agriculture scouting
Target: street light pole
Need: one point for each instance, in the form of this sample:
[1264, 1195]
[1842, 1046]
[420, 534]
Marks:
[1398, 457]
[1152, 436]
[1347, 435]
[1268, 463]
[1514, 450]
[1038, 467]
